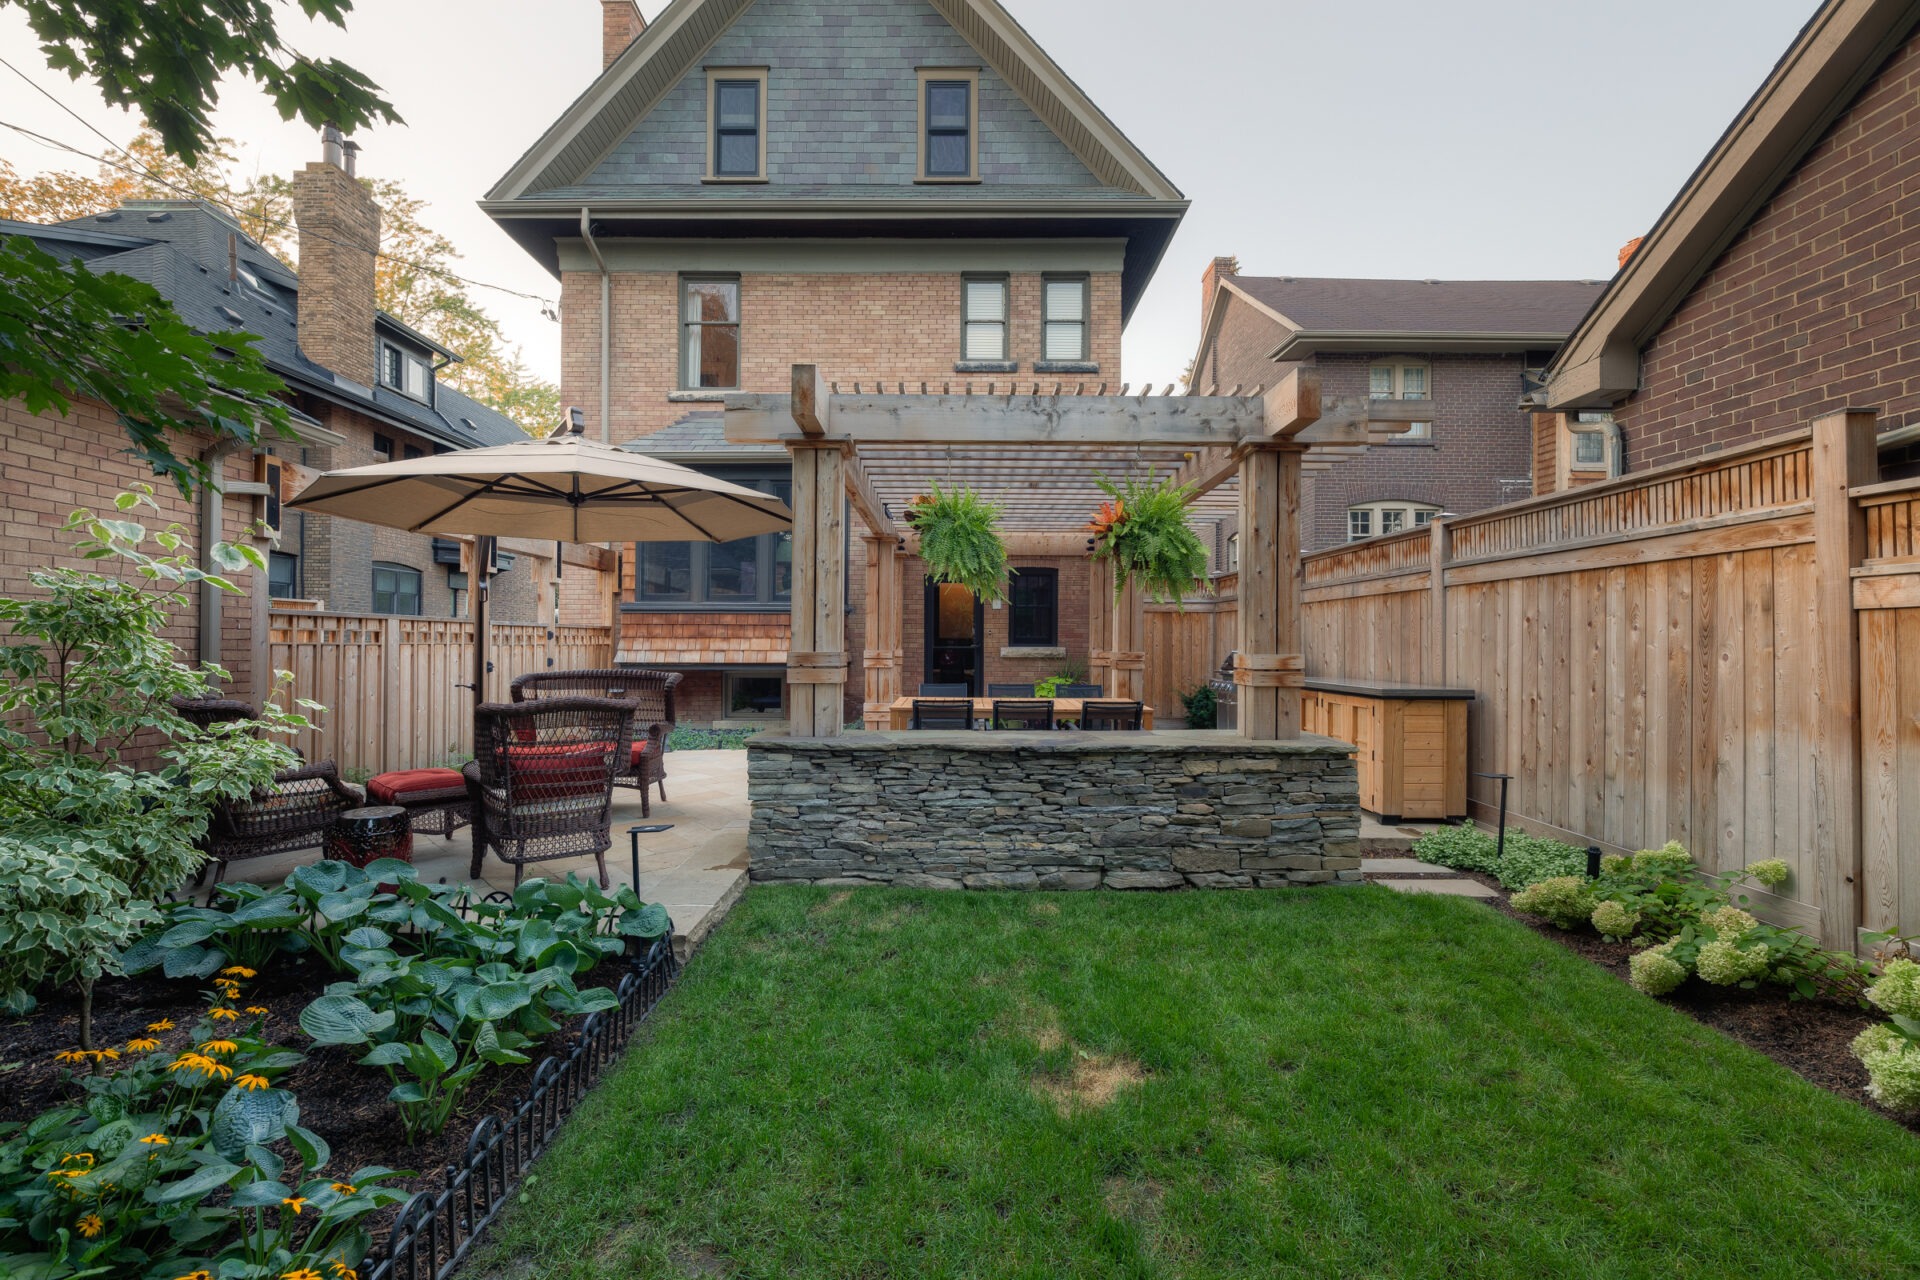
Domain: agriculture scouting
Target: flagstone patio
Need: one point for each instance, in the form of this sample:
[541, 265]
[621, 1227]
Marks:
[698, 870]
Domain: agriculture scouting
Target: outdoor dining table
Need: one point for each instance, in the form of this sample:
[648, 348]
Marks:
[1063, 709]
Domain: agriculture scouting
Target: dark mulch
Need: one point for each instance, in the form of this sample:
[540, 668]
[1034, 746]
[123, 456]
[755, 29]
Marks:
[341, 1101]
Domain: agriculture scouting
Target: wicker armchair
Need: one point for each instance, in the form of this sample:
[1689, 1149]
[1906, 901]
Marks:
[295, 813]
[541, 781]
[650, 692]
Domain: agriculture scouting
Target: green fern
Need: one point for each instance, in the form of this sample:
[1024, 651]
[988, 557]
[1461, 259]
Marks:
[1152, 543]
[960, 540]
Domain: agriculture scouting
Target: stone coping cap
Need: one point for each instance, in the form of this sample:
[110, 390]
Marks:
[1180, 742]
[1398, 692]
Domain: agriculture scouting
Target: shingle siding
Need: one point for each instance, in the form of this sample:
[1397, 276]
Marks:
[842, 109]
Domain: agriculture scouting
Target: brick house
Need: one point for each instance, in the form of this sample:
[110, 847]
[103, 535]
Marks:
[363, 388]
[1781, 282]
[1470, 346]
[899, 191]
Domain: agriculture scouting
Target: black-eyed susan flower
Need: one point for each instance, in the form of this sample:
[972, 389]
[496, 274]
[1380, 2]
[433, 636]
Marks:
[104, 1055]
[165, 1024]
[303, 1273]
[201, 1274]
[251, 1081]
[70, 1055]
[258, 1010]
[238, 971]
[157, 1140]
[219, 1046]
[295, 1203]
[222, 1014]
[142, 1044]
[341, 1271]
[345, 1188]
[90, 1226]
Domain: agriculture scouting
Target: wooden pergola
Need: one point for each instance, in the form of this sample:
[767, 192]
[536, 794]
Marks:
[1040, 455]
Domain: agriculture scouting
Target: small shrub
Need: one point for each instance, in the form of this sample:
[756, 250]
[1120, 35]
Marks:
[1726, 964]
[1464, 848]
[1202, 706]
[1670, 859]
[1654, 972]
[1891, 1051]
[1614, 920]
[1564, 900]
[1530, 859]
[1898, 990]
[1769, 873]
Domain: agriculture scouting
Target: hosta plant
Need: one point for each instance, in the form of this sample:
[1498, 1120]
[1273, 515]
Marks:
[960, 540]
[1144, 531]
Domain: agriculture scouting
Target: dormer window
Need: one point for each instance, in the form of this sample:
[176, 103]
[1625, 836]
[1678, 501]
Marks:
[405, 372]
[949, 125]
[737, 135]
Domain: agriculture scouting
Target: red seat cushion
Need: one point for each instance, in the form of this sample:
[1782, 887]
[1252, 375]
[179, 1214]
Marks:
[398, 786]
[558, 770]
[640, 750]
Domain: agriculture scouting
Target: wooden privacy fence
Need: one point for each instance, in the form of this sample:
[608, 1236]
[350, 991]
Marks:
[1185, 645]
[1724, 652]
[391, 686]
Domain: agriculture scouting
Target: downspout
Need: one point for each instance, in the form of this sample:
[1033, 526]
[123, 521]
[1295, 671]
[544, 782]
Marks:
[212, 525]
[606, 325]
[1616, 450]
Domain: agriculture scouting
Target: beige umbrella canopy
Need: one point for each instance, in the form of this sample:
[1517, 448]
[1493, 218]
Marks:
[565, 489]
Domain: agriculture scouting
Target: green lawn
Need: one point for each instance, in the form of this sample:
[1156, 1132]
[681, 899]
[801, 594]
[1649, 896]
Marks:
[1330, 1083]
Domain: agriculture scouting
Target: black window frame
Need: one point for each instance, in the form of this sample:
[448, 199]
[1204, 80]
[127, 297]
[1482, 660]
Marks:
[383, 445]
[1085, 284]
[1033, 624]
[684, 324]
[968, 89]
[419, 590]
[283, 558]
[721, 131]
[697, 597]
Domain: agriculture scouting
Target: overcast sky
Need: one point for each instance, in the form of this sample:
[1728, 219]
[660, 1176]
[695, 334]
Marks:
[1455, 139]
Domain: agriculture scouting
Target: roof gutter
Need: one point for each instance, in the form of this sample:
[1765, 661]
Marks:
[606, 325]
[1306, 342]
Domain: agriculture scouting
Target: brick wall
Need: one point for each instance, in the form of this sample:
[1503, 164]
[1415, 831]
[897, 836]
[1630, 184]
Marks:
[858, 327]
[1074, 577]
[1480, 453]
[339, 235]
[1811, 308]
[1237, 357]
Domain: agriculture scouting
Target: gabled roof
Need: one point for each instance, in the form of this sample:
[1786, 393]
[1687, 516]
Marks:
[1313, 314]
[1816, 79]
[569, 151]
[180, 247]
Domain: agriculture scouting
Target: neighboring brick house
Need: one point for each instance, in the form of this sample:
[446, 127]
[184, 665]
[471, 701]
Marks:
[899, 191]
[362, 387]
[1473, 347]
[1783, 282]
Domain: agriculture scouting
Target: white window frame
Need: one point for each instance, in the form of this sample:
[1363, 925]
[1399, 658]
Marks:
[940, 75]
[1397, 371]
[715, 77]
[1589, 424]
[1370, 519]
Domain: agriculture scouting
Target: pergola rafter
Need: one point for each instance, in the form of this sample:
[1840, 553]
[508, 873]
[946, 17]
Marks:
[1041, 457]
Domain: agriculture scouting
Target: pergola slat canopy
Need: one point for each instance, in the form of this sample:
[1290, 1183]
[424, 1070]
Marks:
[1042, 458]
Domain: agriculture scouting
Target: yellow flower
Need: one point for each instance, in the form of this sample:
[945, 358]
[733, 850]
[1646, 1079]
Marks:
[165, 1024]
[222, 1013]
[91, 1226]
[252, 1082]
[105, 1055]
[304, 1273]
[345, 1188]
[142, 1044]
[258, 1010]
[341, 1271]
[295, 1203]
[70, 1055]
[238, 970]
[219, 1046]
[66, 1173]
[157, 1140]
[203, 1064]
[83, 1157]
[202, 1274]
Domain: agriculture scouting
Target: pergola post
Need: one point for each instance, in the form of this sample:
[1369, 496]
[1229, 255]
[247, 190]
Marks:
[817, 654]
[1128, 660]
[1269, 669]
[1100, 623]
[880, 660]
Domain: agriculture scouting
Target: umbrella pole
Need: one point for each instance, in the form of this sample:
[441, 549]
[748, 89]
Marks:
[477, 593]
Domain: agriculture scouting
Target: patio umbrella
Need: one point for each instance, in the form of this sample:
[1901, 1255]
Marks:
[564, 489]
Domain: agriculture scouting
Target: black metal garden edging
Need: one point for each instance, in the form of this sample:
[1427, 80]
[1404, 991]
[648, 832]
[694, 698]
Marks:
[435, 1231]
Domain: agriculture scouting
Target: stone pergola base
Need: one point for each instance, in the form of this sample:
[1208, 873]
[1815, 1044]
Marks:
[1056, 810]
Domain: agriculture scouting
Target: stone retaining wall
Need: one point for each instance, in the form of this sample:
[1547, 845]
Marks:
[1053, 810]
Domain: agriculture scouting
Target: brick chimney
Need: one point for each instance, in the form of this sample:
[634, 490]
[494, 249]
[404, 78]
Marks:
[620, 25]
[1628, 249]
[339, 239]
[1217, 270]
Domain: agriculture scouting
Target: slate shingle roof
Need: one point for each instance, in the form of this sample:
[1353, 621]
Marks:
[180, 247]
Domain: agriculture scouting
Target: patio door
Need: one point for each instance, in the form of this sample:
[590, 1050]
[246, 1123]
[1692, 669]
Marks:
[956, 630]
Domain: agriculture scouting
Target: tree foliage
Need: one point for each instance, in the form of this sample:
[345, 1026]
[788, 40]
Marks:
[165, 59]
[413, 280]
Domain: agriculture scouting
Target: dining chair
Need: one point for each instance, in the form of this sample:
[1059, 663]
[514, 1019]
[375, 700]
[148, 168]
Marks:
[930, 690]
[943, 713]
[1079, 691]
[1023, 713]
[1102, 717]
[1009, 691]
[650, 692]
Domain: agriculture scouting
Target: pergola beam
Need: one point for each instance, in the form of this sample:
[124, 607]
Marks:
[1184, 421]
[811, 404]
[866, 503]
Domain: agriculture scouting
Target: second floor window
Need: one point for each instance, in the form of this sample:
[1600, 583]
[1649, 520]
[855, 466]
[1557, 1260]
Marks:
[709, 333]
[984, 335]
[1064, 324]
[738, 147]
[405, 372]
[947, 125]
[396, 589]
[1588, 430]
[283, 575]
[1377, 519]
[1402, 380]
[1033, 607]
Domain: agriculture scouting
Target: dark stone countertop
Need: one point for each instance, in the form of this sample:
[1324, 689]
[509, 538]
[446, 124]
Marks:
[1181, 742]
[1403, 692]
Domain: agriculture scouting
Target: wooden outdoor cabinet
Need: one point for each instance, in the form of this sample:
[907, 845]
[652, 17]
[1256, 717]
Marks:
[1412, 742]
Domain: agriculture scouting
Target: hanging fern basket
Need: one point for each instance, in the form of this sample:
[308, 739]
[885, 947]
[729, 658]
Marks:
[960, 540]
[1144, 532]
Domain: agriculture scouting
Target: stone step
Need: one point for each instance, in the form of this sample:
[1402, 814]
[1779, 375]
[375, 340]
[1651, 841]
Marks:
[1451, 888]
[1404, 867]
